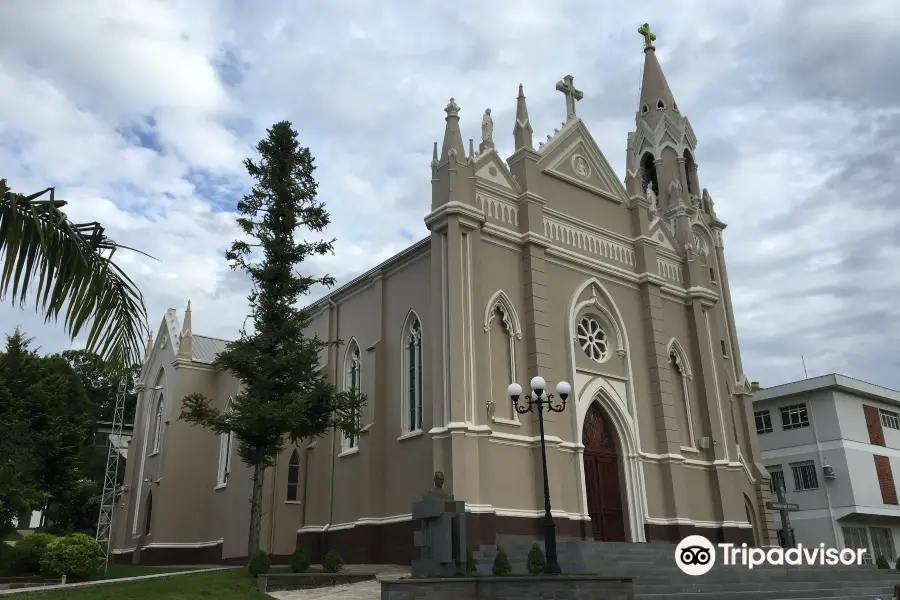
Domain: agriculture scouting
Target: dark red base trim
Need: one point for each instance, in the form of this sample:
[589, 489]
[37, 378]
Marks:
[392, 543]
[717, 535]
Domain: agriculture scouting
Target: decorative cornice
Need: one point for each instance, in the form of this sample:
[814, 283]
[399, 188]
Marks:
[523, 153]
[190, 365]
[702, 293]
[449, 209]
[531, 198]
[530, 237]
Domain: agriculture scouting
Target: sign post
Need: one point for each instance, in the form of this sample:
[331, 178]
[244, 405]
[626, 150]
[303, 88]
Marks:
[785, 508]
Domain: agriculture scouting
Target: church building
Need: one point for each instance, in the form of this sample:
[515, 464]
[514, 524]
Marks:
[541, 264]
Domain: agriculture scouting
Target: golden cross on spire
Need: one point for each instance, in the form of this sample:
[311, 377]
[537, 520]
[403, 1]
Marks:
[649, 38]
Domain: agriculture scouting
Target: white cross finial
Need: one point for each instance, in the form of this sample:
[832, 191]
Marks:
[567, 87]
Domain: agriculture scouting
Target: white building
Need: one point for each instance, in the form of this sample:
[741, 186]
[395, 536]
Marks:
[836, 442]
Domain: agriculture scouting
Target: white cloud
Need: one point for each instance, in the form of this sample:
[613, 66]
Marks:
[142, 112]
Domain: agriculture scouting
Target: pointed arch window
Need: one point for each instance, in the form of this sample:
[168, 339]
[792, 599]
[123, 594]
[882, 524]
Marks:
[293, 478]
[501, 323]
[352, 383]
[226, 441]
[645, 109]
[682, 375]
[648, 173]
[413, 368]
[660, 105]
[158, 424]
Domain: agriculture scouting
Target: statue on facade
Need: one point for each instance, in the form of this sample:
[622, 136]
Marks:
[652, 199]
[675, 190]
[487, 128]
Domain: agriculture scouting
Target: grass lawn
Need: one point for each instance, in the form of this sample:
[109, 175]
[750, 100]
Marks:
[230, 584]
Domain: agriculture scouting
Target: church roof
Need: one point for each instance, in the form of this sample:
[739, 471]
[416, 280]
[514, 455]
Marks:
[205, 349]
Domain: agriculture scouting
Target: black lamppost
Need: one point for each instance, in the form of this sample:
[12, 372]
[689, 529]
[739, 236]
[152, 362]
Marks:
[543, 402]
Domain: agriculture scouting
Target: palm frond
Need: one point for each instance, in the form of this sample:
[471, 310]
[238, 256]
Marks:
[69, 269]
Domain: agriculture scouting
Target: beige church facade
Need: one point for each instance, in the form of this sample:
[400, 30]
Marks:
[541, 264]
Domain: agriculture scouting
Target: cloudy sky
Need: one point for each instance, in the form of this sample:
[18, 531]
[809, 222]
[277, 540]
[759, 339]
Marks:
[141, 113]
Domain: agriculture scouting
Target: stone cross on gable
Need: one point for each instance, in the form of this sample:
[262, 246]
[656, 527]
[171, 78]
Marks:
[649, 37]
[567, 87]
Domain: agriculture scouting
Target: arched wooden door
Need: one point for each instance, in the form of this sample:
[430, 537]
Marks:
[601, 477]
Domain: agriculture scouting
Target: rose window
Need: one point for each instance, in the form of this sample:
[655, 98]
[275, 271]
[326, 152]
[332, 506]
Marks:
[592, 339]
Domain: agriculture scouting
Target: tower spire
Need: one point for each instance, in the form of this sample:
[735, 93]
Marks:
[522, 131]
[186, 339]
[453, 142]
[656, 96]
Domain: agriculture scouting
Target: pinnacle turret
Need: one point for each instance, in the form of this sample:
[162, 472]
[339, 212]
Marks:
[522, 132]
[186, 343]
[453, 142]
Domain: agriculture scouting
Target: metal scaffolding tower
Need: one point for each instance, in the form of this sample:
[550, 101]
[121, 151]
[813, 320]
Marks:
[110, 480]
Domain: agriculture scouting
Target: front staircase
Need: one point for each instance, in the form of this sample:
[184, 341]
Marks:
[656, 576]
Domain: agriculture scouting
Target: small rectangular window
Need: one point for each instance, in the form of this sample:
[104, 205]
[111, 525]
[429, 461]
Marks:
[724, 350]
[794, 416]
[763, 422]
[776, 478]
[712, 274]
[805, 477]
[889, 419]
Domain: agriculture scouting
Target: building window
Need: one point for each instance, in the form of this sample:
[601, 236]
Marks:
[855, 538]
[712, 274]
[101, 438]
[763, 421]
[293, 479]
[776, 478]
[805, 477]
[781, 541]
[889, 419]
[353, 366]
[794, 416]
[148, 517]
[225, 442]
[883, 543]
[414, 400]
[158, 424]
[724, 350]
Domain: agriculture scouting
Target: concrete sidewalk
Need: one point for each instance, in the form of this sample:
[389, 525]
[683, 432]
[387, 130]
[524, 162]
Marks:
[366, 590]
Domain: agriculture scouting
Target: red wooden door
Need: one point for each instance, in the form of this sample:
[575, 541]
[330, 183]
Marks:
[601, 476]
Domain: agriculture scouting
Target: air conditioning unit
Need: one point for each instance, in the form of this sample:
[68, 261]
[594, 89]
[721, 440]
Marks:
[703, 443]
[828, 472]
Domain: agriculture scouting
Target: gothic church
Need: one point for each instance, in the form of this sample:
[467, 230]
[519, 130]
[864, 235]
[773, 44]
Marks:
[656, 442]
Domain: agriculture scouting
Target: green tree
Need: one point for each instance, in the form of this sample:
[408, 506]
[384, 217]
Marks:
[68, 269]
[52, 419]
[102, 385]
[284, 395]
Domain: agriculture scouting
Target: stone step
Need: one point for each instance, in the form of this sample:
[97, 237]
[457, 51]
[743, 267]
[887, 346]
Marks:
[868, 592]
[680, 588]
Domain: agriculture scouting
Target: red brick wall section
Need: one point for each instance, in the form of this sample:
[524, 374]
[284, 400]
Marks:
[873, 424]
[886, 480]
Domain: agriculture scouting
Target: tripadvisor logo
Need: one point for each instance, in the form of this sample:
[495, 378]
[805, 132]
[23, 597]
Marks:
[696, 555]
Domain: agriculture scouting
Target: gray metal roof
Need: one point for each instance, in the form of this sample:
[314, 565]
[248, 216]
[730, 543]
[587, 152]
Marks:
[205, 349]
[834, 380]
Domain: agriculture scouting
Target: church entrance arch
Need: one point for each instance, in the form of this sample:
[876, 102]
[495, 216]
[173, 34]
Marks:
[602, 476]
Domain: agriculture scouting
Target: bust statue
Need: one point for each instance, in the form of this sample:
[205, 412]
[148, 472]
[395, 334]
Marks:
[439, 480]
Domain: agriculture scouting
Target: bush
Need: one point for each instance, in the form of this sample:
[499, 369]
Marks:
[77, 556]
[332, 563]
[882, 563]
[25, 556]
[536, 561]
[259, 563]
[300, 561]
[501, 567]
[471, 567]
[6, 559]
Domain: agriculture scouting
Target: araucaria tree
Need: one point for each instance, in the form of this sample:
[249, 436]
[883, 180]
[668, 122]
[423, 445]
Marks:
[284, 395]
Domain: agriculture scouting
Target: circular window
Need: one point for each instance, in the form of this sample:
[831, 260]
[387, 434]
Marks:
[592, 339]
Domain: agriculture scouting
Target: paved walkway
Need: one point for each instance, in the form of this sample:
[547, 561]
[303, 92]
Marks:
[367, 590]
